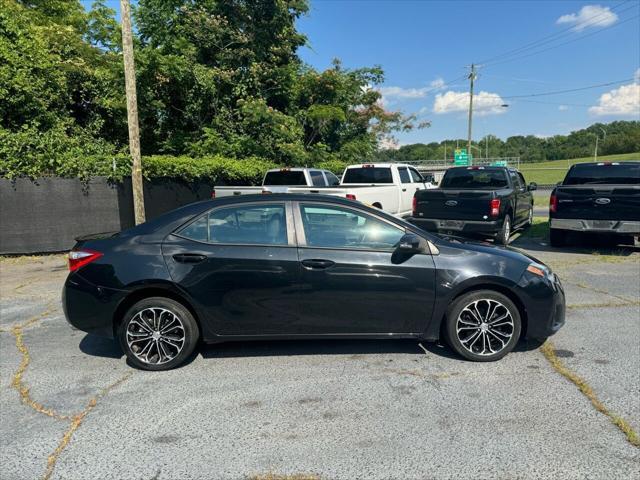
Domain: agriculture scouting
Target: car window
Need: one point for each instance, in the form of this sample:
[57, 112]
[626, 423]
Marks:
[474, 178]
[415, 176]
[522, 180]
[244, 224]
[516, 180]
[368, 175]
[339, 227]
[404, 175]
[332, 180]
[284, 177]
[317, 180]
[603, 173]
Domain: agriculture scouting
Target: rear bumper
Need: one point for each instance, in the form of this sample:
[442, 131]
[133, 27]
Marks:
[88, 307]
[626, 227]
[464, 226]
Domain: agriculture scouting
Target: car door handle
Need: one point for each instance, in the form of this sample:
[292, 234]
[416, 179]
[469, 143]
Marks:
[189, 258]
[313, 264]
[404, 189]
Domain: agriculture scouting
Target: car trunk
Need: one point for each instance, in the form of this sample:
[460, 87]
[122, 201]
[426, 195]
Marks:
[598, 202]
[453, 204]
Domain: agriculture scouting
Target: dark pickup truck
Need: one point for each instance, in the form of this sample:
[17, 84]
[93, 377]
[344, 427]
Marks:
[601, 198]
[480, 201]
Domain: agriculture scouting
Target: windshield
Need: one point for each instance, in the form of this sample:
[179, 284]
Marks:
[474, 179]
[628, 174]
[368, 175]
[284, 177]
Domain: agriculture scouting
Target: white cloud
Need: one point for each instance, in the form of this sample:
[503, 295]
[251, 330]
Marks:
[589, 16]
[563, 108]
[624, 101]
[484, 103]
[437, 84]
[399, 92]
[388, 143]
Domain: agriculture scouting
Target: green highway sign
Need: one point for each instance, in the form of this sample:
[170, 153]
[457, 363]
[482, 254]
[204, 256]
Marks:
[461, 157]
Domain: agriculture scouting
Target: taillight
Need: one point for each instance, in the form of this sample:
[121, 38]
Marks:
[414, 205]
[79, 258]
[213, 194]
[495, 207]
[553, 203]
[350, 196]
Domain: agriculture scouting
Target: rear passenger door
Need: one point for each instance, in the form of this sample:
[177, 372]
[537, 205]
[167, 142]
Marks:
[238, 263]
[523, 197]
[407, 189]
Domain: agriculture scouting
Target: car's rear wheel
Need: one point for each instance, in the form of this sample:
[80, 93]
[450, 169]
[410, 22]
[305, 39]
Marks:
[483, 326]
[505, 232]
[557, 238]
[158, 333]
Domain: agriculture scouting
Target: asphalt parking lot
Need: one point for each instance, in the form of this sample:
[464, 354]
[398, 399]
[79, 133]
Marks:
[73, 409]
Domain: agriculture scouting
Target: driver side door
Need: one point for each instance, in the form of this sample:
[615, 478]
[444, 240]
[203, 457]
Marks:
[350, 281]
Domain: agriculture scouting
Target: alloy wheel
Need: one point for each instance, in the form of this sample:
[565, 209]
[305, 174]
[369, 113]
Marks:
[484, 327]
[155, 335]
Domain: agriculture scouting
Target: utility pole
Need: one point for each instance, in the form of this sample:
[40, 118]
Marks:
[472, 77]
[595, 154]
[132, 112]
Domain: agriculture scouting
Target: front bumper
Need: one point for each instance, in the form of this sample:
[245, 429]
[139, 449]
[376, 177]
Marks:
[545, 305]
[486, 227]
[625, 227]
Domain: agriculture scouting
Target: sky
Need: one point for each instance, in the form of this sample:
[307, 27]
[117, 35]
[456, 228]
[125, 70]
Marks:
[425, 48]
[423, 45]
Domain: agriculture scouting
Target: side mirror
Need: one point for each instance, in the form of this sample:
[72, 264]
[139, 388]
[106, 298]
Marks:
[411, 243]
[532, 186]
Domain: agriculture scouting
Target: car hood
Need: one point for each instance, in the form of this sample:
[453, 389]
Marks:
[489, 248]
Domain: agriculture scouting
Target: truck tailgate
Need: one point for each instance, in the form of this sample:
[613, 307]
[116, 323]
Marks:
[453, 204]
[598, 202]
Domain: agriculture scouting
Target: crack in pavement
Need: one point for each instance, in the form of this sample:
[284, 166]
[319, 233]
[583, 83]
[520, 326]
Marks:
[23, 390]
[75, 424]
[549, 352]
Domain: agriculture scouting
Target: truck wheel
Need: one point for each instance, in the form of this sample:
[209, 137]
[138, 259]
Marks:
[557, 237]
[505, 232]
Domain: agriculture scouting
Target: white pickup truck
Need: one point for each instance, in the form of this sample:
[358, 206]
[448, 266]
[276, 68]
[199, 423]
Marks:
[388, 186]
[279, 180]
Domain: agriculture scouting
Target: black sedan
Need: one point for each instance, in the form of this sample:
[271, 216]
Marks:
[285, 266]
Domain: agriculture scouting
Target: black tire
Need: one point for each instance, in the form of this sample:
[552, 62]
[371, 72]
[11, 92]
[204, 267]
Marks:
[529, 218]
[505, 232]
[175, 341]
[557, 237]
[458, 316]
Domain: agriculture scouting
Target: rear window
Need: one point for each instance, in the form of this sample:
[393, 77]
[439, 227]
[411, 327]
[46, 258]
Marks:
[603, 174]
[368, 175]
[284, 177]
[474, 179]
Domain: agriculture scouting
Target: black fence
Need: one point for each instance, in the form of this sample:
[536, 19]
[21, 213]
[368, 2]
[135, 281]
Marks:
[46, 214]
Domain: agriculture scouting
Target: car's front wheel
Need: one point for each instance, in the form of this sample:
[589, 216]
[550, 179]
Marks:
[158, 333]
[483, 326]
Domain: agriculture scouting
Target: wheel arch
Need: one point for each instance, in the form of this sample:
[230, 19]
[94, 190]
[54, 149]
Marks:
[147, 292]
[487, 285]
[504, 290]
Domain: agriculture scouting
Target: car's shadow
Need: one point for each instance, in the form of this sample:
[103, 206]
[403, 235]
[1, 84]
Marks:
[578, 244]
[108, 348]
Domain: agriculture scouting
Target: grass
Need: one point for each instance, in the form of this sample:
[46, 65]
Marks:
[549, 353]
[552, 172]
[538, 230]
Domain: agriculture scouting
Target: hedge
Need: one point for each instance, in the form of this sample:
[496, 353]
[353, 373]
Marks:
[218, 168]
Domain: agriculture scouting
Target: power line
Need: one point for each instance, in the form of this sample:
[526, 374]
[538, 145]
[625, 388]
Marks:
[559, 34]
[564, 43]
[557, 92]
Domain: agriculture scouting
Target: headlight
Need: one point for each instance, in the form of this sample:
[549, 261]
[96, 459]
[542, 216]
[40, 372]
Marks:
[541, 271]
